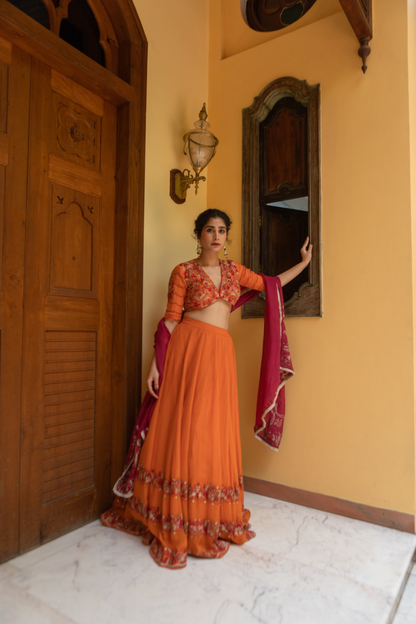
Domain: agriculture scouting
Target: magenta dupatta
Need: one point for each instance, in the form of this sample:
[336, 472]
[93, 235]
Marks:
[276, 369]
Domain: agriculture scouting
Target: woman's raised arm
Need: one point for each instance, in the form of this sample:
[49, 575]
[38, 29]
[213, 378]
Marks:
[290, 274]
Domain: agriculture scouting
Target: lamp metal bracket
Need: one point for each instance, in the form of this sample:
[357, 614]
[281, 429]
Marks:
[180, 181]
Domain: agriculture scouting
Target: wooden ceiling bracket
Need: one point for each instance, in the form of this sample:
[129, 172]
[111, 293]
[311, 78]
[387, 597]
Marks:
[267, 16]
[360, 16]
[364, 50]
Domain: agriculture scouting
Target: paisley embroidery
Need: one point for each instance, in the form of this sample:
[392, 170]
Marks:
[201, 493]
[219, 549]
[200, 289]
[167, 558]
[190, 288]
[172, 523]
[192, 528]
[113, 520]
[172, 559]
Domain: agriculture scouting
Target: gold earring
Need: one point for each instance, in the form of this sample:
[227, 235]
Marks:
[198, 248]
[225, 252]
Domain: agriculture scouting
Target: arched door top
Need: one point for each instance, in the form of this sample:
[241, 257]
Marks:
[89, 26]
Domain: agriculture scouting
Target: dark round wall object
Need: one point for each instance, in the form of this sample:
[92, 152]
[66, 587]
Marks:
[269, 15]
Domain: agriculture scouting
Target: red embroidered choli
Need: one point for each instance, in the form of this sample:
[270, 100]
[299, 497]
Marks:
[191, 288]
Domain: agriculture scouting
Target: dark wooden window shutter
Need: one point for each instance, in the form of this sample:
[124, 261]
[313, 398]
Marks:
[281, 190]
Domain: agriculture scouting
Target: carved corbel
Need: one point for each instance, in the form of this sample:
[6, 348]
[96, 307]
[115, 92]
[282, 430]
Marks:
[360, 16]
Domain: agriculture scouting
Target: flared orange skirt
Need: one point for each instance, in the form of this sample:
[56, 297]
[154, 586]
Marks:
[188, 493]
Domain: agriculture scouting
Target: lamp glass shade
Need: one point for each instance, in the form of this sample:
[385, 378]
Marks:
[199, 148]
[200, 145]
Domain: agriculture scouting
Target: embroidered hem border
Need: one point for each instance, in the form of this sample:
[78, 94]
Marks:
[169, 523]
[176, 559]
[192, 528]
[202, 493]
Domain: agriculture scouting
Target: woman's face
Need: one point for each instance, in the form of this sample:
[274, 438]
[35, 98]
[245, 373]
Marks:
[213, 235]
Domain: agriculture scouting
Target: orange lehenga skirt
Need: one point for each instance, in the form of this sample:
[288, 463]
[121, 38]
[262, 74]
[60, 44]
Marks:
[188, 494]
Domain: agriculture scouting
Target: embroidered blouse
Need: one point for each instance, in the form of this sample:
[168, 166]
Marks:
[191, 288]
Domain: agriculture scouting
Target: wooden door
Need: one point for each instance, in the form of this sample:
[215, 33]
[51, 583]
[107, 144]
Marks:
[70, 343]
[57, 305]
[67, 328]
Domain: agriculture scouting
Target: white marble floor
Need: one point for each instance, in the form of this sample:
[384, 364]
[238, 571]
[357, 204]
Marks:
[304, 567]
[406, 613]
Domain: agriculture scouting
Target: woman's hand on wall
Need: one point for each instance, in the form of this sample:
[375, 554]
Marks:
[290, 274]
[306, 252]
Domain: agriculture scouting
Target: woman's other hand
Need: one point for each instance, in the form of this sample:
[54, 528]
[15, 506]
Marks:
[306, 252]
[153, 378]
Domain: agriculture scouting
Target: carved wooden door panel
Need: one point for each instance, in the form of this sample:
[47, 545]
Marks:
[68, 307]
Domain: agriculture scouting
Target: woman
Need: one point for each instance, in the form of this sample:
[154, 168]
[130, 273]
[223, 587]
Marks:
[188, 488]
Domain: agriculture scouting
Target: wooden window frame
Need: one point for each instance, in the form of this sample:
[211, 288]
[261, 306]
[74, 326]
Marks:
[307, 301]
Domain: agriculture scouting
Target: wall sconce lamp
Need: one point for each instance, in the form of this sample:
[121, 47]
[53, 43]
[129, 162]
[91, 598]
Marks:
[200, 146]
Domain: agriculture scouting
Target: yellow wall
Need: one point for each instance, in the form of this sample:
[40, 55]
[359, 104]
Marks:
[177, 34]
[349, 429]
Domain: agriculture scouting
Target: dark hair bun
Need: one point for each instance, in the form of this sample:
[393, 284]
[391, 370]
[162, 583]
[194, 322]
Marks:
[211, 213]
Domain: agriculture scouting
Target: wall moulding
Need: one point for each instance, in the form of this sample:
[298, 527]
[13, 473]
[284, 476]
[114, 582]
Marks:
[375, 515]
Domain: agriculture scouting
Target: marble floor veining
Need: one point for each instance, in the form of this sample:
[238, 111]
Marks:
[304, 567]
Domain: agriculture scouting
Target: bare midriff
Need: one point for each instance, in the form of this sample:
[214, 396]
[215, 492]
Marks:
[216, 314]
